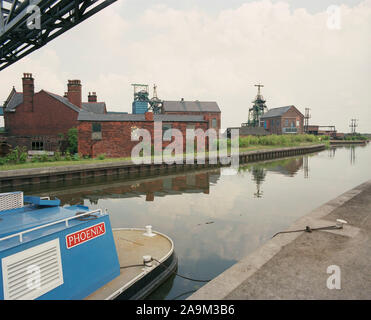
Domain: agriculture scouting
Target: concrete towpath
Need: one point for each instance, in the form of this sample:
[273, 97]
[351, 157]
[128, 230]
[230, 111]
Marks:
[295, 265]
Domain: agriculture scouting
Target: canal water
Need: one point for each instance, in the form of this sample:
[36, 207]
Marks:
[215, 219]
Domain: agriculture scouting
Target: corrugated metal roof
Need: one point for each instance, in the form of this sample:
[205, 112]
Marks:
[95, 107]
[190, 106]
[275, 112]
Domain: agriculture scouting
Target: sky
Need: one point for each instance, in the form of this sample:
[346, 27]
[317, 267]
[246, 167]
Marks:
[309, 53]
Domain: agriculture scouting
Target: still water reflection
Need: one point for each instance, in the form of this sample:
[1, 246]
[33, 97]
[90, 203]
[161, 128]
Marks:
[217, 219]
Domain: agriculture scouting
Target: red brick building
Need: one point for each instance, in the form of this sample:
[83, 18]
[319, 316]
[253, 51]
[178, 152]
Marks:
[37, 120]
[110, 134]
[283, 120]
[208, 109]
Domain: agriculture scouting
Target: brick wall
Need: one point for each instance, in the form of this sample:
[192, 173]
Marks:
[275, 125]
[116, 136]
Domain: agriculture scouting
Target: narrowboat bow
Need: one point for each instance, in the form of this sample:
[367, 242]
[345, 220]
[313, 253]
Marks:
[55, 253]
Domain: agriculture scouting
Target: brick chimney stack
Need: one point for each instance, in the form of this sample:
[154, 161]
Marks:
[28, 91]
[92, 97]
[74, 92]
[148, 116]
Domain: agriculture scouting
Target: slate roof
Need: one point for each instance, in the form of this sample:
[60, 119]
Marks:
[89, 116]
[179, 117]
[95, 107]
[63, 100]
[15, 100]
[275, 112]
[190, 106]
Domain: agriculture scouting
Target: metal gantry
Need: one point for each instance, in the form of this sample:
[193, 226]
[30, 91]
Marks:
[258, 109]
[353, 125]
[307, 116]
[27, 25]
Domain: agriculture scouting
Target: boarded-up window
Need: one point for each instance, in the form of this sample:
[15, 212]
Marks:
[213, 123]
[96, 128]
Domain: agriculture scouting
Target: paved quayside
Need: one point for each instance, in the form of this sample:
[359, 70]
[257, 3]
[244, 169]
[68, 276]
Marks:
[294, 265]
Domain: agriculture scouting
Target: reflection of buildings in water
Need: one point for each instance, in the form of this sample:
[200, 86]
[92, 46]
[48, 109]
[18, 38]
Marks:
[288, 167]
[306, 166]
[259, 174]
[331, 152]
[196, 182]
[352, 155]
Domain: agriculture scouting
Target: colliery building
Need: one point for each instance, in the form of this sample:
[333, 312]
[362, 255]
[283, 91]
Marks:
[283, 120]
[111, 134]
[40, 121]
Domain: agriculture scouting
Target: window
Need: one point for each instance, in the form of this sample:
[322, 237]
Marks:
[96, 128]
[298, 123]
[166, 132]
[286, 122]
[213, 123]
[37, 145]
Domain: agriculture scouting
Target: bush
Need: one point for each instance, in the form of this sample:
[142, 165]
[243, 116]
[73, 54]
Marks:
[72, 140]
[76, 157]
[35, 159]
[3, 160]
[276, 140]
[67, 156]
[57, 156]
[17, 155]
[101, 156]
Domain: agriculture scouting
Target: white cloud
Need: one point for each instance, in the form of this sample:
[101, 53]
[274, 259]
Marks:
[198, 55]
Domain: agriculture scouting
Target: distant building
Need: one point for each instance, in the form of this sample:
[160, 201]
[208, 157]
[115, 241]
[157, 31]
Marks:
[111, 134]
[248, 131]
[283, 120]
[209, 109]
[323, 131]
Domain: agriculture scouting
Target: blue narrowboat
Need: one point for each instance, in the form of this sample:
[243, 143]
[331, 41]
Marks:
[55, 252]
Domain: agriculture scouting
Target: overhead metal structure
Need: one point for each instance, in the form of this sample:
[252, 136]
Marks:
[27, 25]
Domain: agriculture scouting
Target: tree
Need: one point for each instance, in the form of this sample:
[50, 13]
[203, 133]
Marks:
[72, 140]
